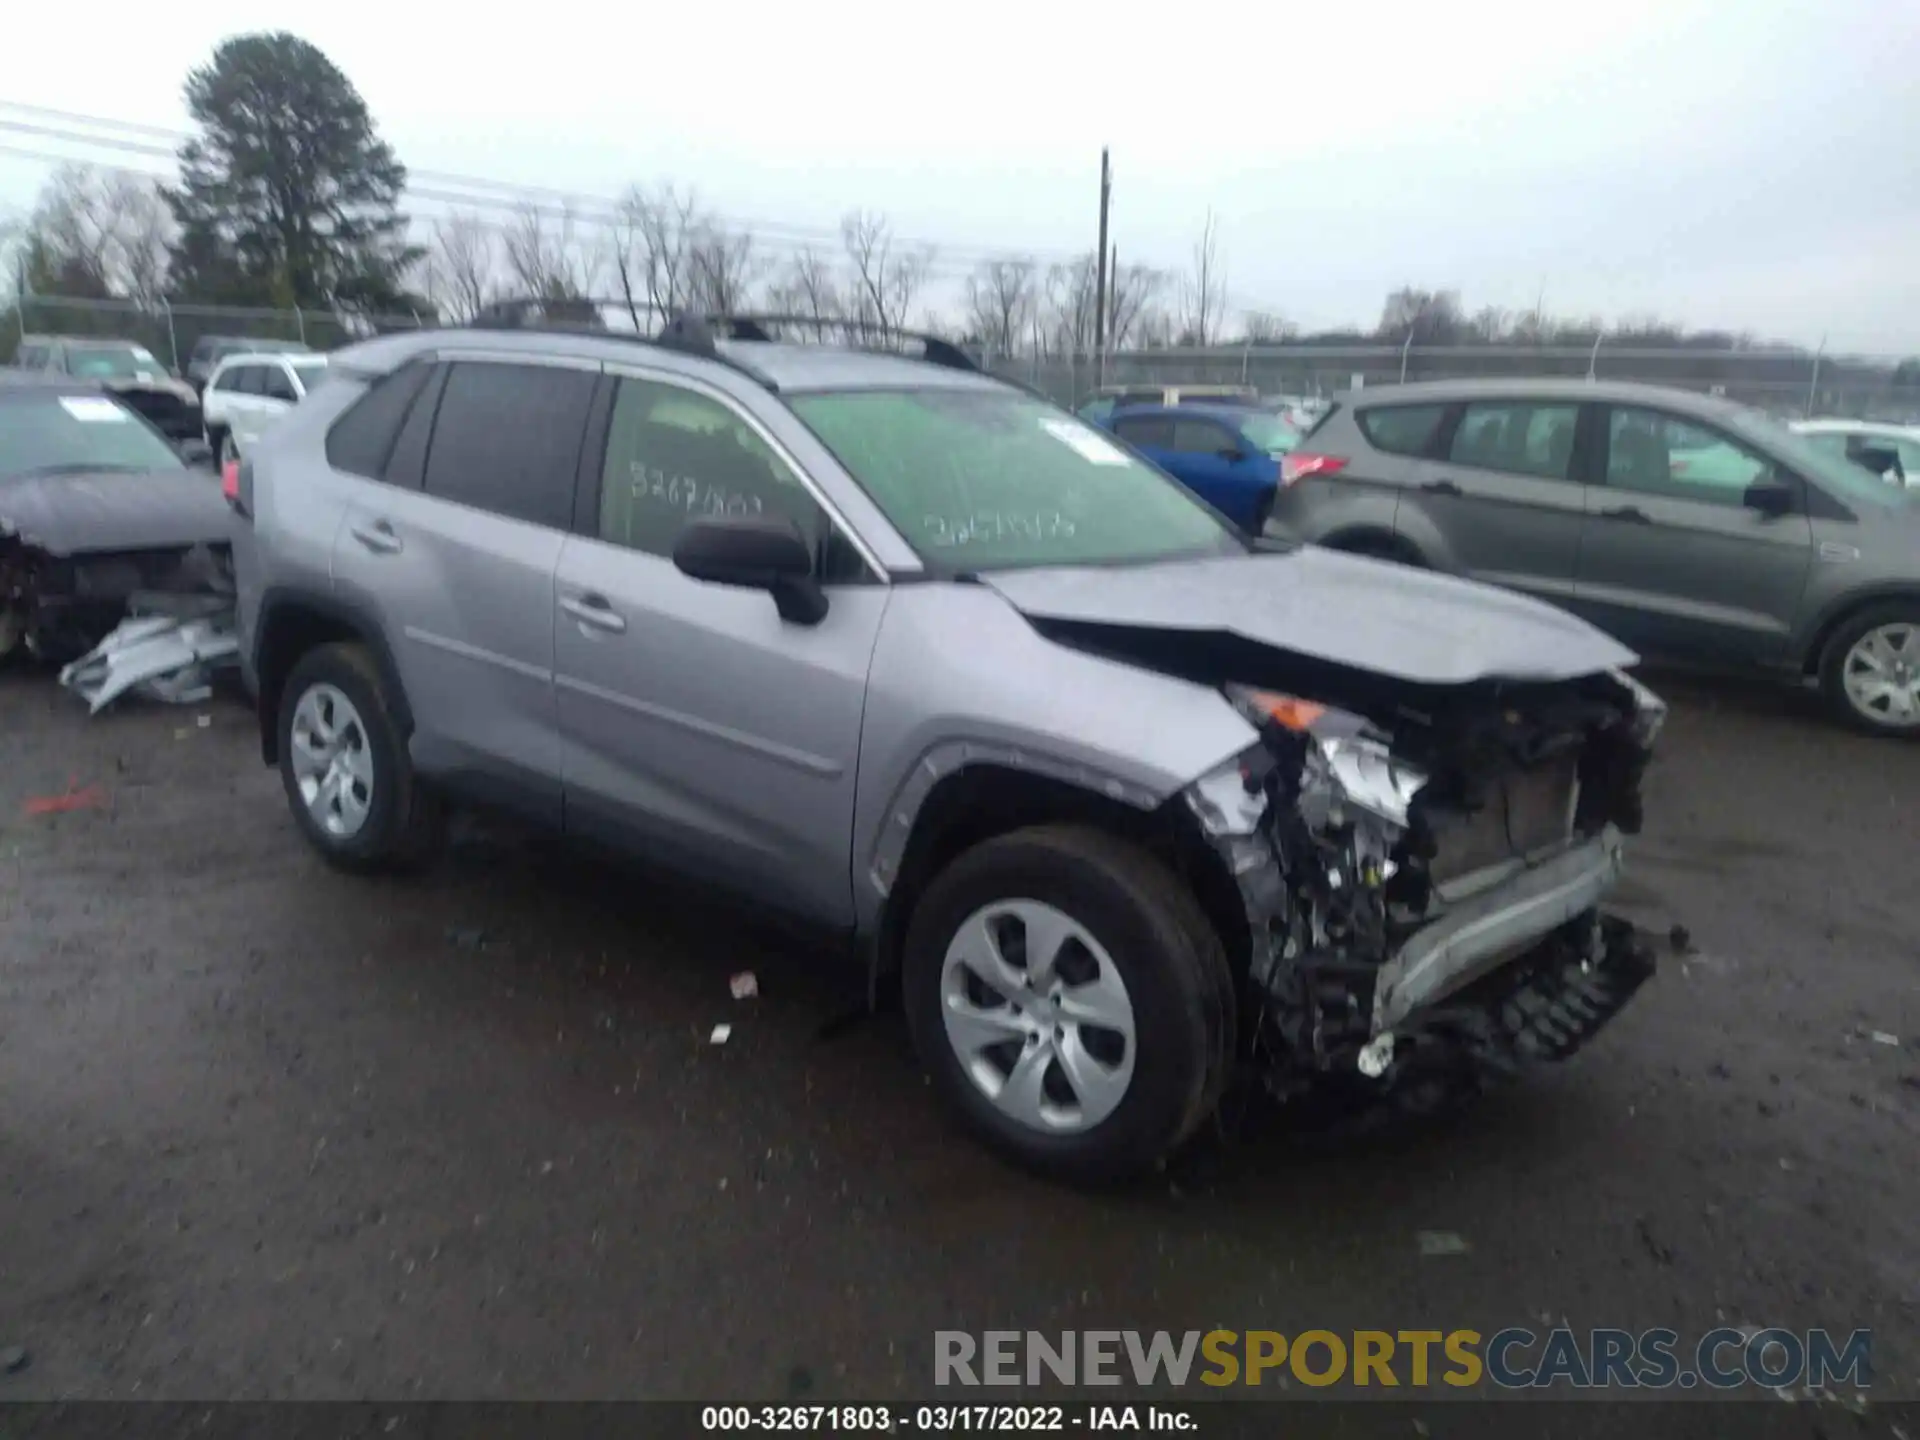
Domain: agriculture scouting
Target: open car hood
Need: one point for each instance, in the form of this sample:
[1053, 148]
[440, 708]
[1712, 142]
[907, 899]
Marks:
[1371, 615]
[115, 511]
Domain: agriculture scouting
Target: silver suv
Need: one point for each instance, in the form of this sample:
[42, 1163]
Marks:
[1135, 813]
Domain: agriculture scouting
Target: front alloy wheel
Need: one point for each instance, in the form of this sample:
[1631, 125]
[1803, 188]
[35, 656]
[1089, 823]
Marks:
[1880, 676]
[332, 761]
[1038, 1016]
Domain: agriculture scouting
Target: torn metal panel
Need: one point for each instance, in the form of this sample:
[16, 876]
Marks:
[167, 657]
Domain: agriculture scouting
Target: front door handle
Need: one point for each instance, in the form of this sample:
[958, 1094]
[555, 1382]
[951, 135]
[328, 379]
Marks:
[593, 610]
[1632, 513]
[378, 537]
[1441, 487]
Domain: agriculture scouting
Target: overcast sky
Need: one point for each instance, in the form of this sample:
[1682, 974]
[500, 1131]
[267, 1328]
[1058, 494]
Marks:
[1743, 164]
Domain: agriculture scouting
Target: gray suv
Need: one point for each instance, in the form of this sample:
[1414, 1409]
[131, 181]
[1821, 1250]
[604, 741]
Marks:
[1688, 527]
[1136, 814]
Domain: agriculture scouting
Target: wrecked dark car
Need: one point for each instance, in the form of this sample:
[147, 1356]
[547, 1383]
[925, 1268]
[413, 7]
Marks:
[1146, 823]
[97, 513]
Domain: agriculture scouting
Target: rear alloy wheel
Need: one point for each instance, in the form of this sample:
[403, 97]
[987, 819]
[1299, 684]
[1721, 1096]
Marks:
[1872, 671]
[1069, 1000]
[344, 765]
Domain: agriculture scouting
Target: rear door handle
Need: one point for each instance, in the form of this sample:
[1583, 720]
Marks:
[378, 537]
[1441, 487]
[1631, 513]
[593, 610]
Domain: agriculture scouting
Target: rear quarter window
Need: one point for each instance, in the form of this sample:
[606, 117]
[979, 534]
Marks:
[361, 440]
[1401, 429]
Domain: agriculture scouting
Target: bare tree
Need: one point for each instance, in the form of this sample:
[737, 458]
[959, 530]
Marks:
[724, 267]
[1204, 301]
[1490, 325]
[1133, 293]
[1263, 327]
[1001, 296]
[655, 238]
[1427, 317]
[546, 255]
[98, 232]
[887, 275]
[1071, 300]
[462, 265]
[808, 287]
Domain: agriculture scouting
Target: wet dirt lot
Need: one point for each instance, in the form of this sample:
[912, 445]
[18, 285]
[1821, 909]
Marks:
[269, 1131]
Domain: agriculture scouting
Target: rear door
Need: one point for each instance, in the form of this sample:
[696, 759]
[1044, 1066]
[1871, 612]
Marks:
[456, 560]
[1672, 559]
[700, 727]
[1500, 499]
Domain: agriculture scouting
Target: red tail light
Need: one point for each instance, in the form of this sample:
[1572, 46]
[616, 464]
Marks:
[1296, 467]
[230, 480]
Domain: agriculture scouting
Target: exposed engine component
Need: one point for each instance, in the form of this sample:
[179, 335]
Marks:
[1421, 884]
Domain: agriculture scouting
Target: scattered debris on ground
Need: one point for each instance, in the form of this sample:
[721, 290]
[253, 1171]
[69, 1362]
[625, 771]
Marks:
[90, 797]
[1681, 939]
[720, 1035]
[14, 1359]
[1658, 1251]
[167, 649]
[744, 985]
[1442, 1242]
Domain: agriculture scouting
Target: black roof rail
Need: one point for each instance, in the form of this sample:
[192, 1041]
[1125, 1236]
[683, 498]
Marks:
[933, 349]
[581, 315]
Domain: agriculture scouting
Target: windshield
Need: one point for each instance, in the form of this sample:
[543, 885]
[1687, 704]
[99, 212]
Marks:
[312, 373]
[980, 480]
[77, 432]
[1839, 476]
[113, 362]
[1270, 433]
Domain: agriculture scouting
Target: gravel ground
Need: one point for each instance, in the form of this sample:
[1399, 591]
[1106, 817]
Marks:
[271, 1132]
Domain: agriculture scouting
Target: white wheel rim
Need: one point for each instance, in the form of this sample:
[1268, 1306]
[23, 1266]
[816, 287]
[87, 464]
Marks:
[1038, 1016]
[1881, 675]
[332, 761]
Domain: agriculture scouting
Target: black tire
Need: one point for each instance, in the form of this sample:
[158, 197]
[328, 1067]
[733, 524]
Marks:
[1833, 665]
[1168, 955]
[214, 435]
[403, 828]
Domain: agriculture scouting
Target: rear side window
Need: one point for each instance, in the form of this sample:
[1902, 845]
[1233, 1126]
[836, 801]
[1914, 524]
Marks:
[1516, 436]
[1200, 437]
[507, 439]
[1401, 429]
[362, 439]
[1153, 432]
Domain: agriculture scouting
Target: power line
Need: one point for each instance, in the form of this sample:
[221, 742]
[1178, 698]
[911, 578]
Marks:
[581, 205]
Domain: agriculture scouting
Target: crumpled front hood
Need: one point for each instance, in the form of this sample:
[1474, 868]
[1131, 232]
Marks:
[1372, 615]
[99, 513]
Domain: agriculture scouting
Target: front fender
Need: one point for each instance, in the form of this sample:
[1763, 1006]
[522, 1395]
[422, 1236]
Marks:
[960, 678]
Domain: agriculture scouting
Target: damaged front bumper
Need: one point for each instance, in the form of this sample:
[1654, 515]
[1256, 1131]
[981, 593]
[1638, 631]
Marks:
[1437, 889]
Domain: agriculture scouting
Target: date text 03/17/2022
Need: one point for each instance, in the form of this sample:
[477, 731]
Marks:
[946, 1419]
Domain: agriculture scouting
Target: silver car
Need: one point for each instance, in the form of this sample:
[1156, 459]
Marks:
[1136, 814]
[1688, 527]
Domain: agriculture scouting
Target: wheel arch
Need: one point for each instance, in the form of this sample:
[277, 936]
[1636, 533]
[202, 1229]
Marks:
[1845, 610]
[1375, 540]
[985, 799]
[292, 623]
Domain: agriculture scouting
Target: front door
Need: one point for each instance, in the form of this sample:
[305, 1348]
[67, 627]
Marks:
[1673, 560]
[699, 725]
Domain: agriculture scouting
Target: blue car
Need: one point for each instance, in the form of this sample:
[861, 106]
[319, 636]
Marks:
[1228, 455]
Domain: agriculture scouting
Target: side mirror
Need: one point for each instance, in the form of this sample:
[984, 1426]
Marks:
[755, 552]
[1772, 498]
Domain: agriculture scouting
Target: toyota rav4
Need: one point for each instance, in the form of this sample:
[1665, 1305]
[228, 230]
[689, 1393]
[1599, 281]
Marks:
[1136, 812]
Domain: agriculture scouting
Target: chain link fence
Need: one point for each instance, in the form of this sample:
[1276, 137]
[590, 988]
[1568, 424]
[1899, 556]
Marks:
[171, 330]
[1787, 383]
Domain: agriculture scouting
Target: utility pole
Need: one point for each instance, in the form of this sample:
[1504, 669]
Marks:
[1113, 295]
[1100, 280]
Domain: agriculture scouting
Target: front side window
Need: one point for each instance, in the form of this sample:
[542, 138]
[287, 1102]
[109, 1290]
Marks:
[278, 384]
[1200, 437]
[675, 455]
[1149, 432]
[507, 438]
[1654, 453]
[249, 379]
[991, 479]
[113, 362]
[311, 374]
[52, 433]
[1401, 429]
[1519, 437]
